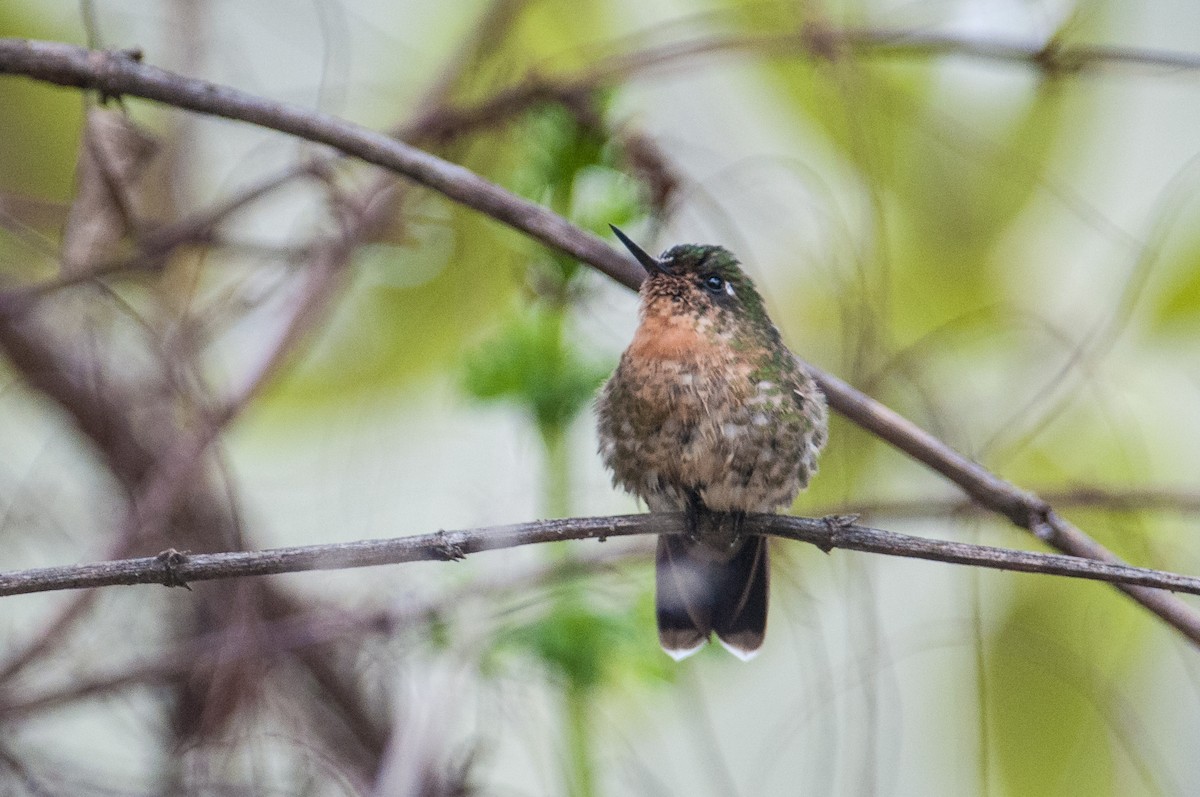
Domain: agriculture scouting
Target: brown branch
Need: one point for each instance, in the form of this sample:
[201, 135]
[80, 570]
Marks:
[116, 74]
[814, 42]
[1135, 499]
[443, 122]
[175, 569]
[1052, 56]
[155, 246]
[1023, 508]
[313, 629]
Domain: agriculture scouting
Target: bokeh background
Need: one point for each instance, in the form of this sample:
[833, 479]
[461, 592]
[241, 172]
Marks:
[944, 204]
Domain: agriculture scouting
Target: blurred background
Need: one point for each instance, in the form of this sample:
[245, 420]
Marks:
[981, 213]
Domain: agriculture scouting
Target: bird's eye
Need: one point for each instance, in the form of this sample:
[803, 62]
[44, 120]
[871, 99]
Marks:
[714, 284]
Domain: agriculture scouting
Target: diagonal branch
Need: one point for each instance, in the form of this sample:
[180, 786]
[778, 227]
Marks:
[117, 73]
[175, 569]
[1023, 508]
[114, 74]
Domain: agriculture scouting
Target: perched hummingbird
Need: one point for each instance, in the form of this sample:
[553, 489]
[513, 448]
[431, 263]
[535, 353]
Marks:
[709, 414]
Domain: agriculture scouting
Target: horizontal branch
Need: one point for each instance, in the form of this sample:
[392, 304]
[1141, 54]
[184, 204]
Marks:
[175, 569]
[233, 644]
[1116, 500]
[1054, 55]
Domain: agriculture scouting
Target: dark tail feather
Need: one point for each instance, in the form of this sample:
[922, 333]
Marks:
[682, 597]
[740, 613]
[698, 594]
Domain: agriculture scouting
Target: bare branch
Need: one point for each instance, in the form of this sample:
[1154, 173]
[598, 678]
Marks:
[816, 41]
[1023, 508]
[309, 629]
[175, 569]
[1052, 56]
[115, 74]
[1084, 497]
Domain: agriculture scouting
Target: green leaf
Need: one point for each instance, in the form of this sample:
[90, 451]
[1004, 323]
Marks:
[528, 362]
[592, 645]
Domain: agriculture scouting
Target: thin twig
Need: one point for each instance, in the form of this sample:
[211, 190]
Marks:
[1135, 499]
[174, 569]
[1051, 56]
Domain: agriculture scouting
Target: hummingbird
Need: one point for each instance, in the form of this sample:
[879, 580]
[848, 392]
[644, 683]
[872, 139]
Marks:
[708, 413]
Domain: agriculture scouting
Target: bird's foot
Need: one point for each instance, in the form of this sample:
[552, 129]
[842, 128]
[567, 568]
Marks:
[693, 516]
[736, 520]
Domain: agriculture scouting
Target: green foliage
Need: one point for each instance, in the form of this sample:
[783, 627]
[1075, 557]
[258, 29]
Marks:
[559, 149]
[589, 645]
[528, 361]
[416, 297]
[569, 167]
[532, 362]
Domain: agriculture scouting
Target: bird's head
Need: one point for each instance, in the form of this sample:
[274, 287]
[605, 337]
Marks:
[702, 280]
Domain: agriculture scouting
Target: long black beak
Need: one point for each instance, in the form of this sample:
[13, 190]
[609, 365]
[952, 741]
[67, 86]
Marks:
[652, 264]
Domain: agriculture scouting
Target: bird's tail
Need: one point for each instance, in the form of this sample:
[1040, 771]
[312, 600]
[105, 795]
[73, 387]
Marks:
[702, 589]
